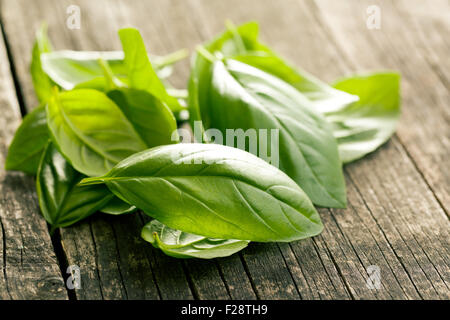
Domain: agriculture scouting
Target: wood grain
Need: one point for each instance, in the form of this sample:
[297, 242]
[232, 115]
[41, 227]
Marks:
[28, 265]
[397, 218]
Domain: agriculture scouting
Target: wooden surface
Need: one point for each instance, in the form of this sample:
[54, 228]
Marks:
[397, 218]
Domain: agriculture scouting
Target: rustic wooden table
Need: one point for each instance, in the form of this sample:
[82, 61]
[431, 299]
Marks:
[399, 196]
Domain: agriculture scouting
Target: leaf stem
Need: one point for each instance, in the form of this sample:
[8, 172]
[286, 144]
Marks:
[206, 54]
[171, 58]
[178, 93]
[112, 82]
[52, 230]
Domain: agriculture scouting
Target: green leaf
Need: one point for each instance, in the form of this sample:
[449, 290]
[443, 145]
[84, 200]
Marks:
[239, 96]
[365, 125]
[141, 73]
[152, 120]
[242, 44]
[91, 131]
[41, 82]
[62, 202]
[237, 40]
[325, 97]
[29, 142]
[99, 84]
[214, 191]
[200, 65]
[70, 68]
[234, 42]
[179, 244]
[117, 207]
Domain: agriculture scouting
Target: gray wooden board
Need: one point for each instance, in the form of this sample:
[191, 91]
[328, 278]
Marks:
[398, 196]
[28, 265]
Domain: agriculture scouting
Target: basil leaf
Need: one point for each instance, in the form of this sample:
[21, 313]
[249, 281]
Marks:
[242, 44]
[91, 131]
[179, 244]
[29, 142]
[237, 40]
[214, 191]
[62, 202]
[140, 72]
[75, 69]
[152, 119]
[99, 84]
[239, 96]
[228, 45]
[41, 82]
[325, 97]
[117, 207]
[365, 125]
[70, 68]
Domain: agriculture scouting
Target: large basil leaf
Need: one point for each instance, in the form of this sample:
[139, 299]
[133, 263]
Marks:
[62, 202]
[365, 125]
[152, 119]
[117, 207]
[179, 244]
[91, 130]
[70, 69]
[29, 142]
[229, 45]
[140, 71]
[41, 82]
[239, 96]
[214, 191]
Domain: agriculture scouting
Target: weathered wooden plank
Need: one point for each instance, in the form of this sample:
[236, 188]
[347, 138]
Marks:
[28, 266]
[412, 39]
[238, 283]
[206, 279]
[269, 273]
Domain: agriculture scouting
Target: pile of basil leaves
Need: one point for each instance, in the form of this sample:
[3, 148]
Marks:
[104, 139]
